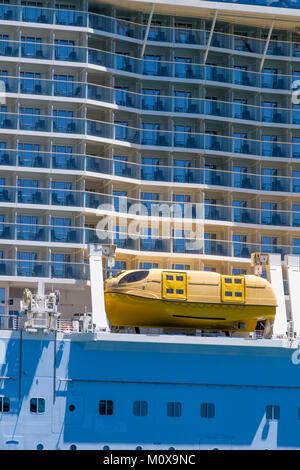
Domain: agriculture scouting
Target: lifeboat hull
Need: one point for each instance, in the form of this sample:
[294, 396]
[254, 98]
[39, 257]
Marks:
[136, 311]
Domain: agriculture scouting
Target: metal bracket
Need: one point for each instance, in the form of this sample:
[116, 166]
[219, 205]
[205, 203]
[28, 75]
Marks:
[210, 36]
[147, 29]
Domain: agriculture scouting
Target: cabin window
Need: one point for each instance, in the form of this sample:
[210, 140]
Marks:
[133, 277]
[173, 409]
[179, 291]
[4, 404]
[228, 280]
[238, 281]
[169, 278]
[106, 407]
[228, 294]
[170, 291]
[140, 408]
[179, 278]
[207, 410]
[37, 405]
[273, 412]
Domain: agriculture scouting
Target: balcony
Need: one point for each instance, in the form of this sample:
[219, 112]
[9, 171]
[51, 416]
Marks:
[150, 67]
[46, 269]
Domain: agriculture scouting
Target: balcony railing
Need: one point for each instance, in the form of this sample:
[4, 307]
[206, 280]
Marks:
[147, 137]
[48, 269]
[145, 67]
[158, 171]
[157, 33]
[129, 206]
[10, 322]
[187, 243]
[147, 102]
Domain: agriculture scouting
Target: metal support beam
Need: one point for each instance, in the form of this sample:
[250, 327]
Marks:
[293, 272]
[99, 317]
[266, 47]
[275, 273]
[210, 36]
[147, 29]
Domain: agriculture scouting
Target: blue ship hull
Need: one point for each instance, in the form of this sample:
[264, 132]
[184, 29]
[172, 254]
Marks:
[241, 379]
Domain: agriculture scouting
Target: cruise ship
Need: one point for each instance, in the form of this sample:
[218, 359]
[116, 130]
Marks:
[170, 131]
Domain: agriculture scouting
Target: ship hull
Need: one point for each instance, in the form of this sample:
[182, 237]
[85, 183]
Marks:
[73, 373]
[136, 311]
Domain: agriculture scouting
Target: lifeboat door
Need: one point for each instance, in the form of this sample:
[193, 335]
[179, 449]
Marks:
[174, 285]
[233, 289]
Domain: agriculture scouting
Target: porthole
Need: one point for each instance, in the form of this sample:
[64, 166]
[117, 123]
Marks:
[73, 447]
[106, 447]
[40, 447]
[71, 407]
[138, 448]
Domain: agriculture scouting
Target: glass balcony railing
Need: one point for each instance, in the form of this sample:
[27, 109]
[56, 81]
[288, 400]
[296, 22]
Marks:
[158, 103]
[176, 243]
[146, 136]
[163, 34]
[266, 3]
[181, 172]
[160, 68]
[48, 269]
[128, 206]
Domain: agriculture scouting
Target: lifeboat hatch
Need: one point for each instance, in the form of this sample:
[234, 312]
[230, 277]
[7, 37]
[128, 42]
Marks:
[174, 285]
[233, 289]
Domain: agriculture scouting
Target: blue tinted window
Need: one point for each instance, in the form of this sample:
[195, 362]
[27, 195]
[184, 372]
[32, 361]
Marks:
[37, 405]
[4, 404]
[173, 409]
[140, 408]
[106, 407]
[207, 410]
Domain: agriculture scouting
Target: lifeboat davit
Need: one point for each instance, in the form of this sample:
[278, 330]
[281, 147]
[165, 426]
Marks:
[189, 299]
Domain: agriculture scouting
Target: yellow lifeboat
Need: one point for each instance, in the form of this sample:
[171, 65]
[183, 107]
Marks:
[189, 299]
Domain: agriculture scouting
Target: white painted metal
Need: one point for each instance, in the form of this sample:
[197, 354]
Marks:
[276, 279]
[147, 29]
[210, 36]
[293, 272]
[266, 47]
[99, 318]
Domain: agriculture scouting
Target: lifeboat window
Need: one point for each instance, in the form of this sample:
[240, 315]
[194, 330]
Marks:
[134, 277]
[233, 289]
[174, 286]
